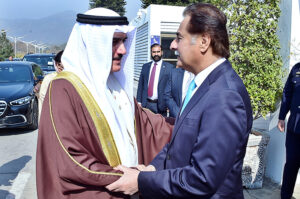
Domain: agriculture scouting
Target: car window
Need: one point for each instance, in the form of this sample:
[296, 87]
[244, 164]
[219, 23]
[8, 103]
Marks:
[40, 60]
[15, 74]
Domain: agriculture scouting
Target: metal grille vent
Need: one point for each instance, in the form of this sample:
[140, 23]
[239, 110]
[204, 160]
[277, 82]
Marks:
[141, 49]
[3, 106]
[166, 26]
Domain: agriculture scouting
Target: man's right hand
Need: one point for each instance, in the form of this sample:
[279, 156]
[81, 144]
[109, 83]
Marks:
[281, 125]
[142, 167]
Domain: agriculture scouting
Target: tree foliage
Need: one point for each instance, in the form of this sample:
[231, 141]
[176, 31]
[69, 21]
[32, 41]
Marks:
[254, 48]
[6, 48]
[146, 3]
[115, 5]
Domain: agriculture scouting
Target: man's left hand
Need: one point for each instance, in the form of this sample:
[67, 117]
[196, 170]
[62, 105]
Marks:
[128, 183]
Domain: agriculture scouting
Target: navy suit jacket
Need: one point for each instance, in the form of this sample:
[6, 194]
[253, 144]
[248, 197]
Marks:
[173, 91]
[291, 100]
[205, 155]
[142, 92]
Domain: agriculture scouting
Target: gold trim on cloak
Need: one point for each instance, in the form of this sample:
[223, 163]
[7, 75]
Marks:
[104, 132]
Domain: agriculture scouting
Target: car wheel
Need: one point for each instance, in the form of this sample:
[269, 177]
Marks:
[35, 117]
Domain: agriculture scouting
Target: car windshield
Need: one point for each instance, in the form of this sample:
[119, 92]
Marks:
[17, 73]
[40, 60]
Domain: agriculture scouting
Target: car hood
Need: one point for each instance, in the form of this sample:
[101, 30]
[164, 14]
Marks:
[13, 91]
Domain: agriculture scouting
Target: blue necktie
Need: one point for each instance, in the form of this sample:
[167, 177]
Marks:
[188, 96]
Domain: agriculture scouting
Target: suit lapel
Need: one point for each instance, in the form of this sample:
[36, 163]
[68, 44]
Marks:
[147, 71]
[202, 90]
[195, 99]
[162, 71]
[179, 82]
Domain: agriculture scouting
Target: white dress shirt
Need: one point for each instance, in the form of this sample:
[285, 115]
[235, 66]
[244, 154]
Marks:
[187, 78]
[200, 77]
[156, 78]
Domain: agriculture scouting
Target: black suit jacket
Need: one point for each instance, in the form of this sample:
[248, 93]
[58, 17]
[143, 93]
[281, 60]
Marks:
[142, 92]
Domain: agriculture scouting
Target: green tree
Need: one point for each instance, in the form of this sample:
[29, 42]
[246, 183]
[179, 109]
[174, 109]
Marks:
[146, 3]
[6, 48]
[115, 5]
[254, 48]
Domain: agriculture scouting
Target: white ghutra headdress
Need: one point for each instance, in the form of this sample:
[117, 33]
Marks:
[88, 54]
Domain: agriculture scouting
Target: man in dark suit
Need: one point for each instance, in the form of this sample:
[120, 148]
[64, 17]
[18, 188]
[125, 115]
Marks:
[176, 89]
[291, 102]
[152, 82]
[205, 155]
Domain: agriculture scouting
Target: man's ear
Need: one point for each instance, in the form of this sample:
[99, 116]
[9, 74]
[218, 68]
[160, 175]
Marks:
[204, 42]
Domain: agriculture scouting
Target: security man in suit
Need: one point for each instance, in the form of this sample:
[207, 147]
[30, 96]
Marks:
[152, 82]
[291, 102]
[176, 89]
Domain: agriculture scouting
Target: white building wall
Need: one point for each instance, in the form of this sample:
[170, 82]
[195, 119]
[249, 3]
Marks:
[156, 16]
[295, 33]
[153, 20]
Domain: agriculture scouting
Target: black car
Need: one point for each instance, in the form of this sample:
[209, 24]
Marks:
[44, 60]
[18, 102]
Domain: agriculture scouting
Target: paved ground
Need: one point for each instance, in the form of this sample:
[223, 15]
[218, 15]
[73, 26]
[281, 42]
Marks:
[17, 164]
[270, 190]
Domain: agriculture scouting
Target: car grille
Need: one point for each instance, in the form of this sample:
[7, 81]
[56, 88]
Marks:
[2, 107]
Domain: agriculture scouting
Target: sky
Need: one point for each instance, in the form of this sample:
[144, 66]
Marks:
[35, 9]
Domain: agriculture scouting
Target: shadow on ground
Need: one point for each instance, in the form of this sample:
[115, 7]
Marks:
[10, 170]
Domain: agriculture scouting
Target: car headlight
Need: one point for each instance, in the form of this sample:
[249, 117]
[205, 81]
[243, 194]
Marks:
[21, 101]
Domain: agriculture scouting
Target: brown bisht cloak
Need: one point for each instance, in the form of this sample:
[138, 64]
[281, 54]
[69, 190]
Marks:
[76, 155]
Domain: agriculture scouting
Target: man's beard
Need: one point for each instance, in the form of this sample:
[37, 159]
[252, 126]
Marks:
[156, 58]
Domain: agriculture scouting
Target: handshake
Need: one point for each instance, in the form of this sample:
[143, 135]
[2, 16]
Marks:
[128, 183]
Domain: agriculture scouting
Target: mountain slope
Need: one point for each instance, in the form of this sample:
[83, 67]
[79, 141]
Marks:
[52, 30]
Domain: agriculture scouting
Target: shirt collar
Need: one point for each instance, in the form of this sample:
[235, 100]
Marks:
[158, 63]
[200, 77]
